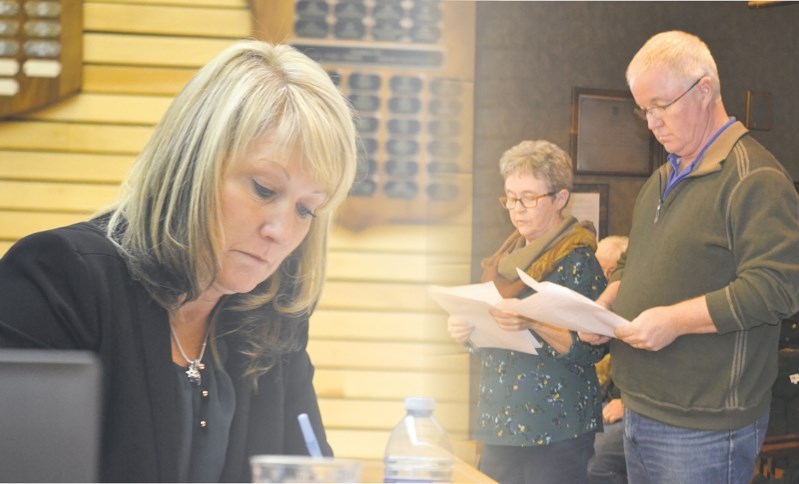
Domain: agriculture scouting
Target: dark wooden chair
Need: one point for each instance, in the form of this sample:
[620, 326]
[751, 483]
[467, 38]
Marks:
[776, 452]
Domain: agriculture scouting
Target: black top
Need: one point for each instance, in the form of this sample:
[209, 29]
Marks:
[69, 289]
[206, 411]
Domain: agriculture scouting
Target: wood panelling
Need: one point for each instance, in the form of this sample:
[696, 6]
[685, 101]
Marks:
[51, 166]
[382, 325]
[128, 49]
[55, 197]
[452, 239]
[73, 137]
[17, 224]
[403, 267]
[367, 415]
[371, 384]
[376, 336]
[240, 4]
[360, 444]
[371, 355]
[160, 19]
[374, 295]
[135, 79]
[107, 108]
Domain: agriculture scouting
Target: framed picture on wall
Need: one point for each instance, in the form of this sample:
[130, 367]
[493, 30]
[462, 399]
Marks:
[590, 202]
[607, 138]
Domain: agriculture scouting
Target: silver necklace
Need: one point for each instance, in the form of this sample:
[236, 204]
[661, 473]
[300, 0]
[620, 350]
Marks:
[195, 366]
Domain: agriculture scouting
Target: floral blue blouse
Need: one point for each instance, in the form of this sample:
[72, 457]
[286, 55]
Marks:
[527, 400]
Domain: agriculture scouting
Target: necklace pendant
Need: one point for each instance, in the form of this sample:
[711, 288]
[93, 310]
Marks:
[193, 372]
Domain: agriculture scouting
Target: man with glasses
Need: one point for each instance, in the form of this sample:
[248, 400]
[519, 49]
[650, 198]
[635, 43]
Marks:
[711, 269]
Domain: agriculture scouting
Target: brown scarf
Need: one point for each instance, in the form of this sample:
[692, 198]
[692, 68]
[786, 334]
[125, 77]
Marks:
[539, 256]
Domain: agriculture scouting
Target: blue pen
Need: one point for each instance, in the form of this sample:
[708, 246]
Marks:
[308, 434]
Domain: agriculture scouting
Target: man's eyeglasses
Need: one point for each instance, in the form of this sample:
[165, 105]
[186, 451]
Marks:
[527, 201]
[659, 111]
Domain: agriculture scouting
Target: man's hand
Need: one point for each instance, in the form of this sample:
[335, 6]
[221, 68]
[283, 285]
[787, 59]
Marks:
[652, 330]
[658, 327]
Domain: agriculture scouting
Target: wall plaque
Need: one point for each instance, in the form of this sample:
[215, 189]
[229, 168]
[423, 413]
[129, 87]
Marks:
[407, 68]
[41, 53]
[607, 138]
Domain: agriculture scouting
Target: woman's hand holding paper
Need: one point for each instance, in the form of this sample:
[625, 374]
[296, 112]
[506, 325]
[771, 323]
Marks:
[509, 320]
[459, 329]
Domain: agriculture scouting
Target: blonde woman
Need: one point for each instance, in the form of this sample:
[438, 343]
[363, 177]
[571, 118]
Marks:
[194, 289]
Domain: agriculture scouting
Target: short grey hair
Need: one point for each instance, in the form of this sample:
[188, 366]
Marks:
[543, 159]
[684, 55]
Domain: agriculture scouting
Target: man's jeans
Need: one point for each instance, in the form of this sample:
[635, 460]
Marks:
[658, 453]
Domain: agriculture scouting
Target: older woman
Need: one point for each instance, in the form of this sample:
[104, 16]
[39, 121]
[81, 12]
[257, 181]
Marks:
[194, 289]
[537, 414]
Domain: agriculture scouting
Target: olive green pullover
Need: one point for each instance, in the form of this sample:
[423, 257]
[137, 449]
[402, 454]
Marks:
[730, 231]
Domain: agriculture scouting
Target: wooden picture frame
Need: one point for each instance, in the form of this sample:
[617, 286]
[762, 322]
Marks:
[589, 201]
[607, 138]
[759, 110]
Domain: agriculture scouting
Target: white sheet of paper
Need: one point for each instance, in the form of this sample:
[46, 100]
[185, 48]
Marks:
[472, 303]
[560, 306]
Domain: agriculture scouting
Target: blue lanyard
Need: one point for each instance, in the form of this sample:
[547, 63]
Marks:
[674, 160]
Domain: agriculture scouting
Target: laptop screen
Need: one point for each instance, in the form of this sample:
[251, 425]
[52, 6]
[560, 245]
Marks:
[49, 416]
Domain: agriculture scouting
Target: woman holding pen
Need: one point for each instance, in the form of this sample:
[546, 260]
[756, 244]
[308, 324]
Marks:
[195, 288]
[537, 414]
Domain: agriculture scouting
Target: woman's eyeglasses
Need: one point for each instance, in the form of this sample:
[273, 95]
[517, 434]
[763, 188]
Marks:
[527, 201]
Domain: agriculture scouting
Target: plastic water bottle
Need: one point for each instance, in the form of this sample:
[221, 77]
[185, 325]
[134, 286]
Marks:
[418, 449]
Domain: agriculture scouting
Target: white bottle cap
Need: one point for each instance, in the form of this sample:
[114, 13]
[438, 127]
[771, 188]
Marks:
[420, 403]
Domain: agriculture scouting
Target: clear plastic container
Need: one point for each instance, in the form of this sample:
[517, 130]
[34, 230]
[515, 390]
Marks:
[418, 449]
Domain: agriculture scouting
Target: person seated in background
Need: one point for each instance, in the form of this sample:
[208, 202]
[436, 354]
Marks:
[607, 465]
[537, 414]
[608, 252]
[217, 243]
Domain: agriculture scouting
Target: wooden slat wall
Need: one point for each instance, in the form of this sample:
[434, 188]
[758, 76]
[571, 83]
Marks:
[376, 336]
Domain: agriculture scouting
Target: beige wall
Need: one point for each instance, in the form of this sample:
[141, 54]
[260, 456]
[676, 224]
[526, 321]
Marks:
[375, 338]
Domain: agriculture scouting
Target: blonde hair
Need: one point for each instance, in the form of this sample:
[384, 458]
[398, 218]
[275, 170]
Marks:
[543, 159]
[609, 250]
[684, 55]
[612, 246]
[166, 221]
